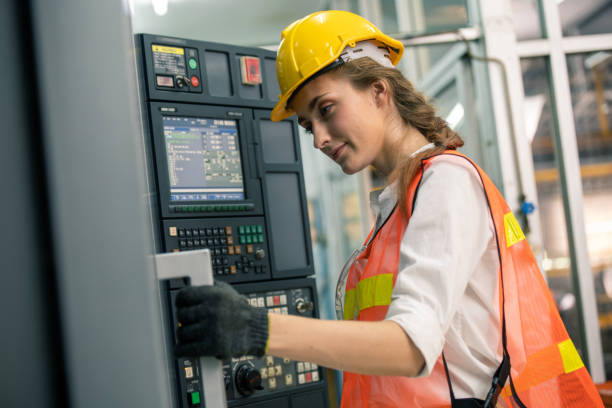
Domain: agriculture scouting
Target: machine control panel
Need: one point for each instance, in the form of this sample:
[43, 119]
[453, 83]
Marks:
[238, 246]
[249, 379]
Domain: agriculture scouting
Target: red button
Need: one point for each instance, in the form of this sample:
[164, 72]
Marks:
[276, 300]
[195, 82]
[308, 377]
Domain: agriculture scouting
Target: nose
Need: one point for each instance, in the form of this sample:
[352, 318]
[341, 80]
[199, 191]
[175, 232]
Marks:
[320, 135]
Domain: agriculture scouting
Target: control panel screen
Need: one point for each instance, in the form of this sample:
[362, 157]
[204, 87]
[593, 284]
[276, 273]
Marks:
[168, 60]
[203, 159]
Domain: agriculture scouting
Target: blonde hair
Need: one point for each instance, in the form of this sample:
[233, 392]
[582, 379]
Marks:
[414, 111]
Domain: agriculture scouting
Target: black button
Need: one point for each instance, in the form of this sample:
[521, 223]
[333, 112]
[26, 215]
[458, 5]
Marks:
[187, 233]
[209, 242]
[202, 231]
[224, 250]
[181, 232]
[226, 271]
[247, 270]
[195, 232]
[223, 241]
[225, 260]
[252, 264]
[258, 269]
[245, 259]
[203, 242]
[182, 243]
[209, 231]
[189, 243]
[216, 242]
[217, 251]
[238, 264]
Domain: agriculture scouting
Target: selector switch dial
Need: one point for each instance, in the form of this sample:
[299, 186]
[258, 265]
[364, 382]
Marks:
[248, 380]
[260, 254]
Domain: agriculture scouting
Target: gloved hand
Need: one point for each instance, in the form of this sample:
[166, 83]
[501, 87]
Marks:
[218, 321]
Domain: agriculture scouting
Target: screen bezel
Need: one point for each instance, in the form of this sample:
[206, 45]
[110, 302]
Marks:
[251, 184]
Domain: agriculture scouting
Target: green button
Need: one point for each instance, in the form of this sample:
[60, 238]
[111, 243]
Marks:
[260, 238]
[259, 229]
[193, 64]
[247, 229]
[241, 207]
[241, 229]
[249, 239]
[243, 239]
[195, 398]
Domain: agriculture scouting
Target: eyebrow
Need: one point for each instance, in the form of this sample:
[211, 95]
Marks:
[311, 106]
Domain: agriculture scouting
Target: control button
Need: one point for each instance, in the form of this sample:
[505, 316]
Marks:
[216, 242]
[195, 82]
[182, 243]
[209, 231]
[269, 361]
[300, 367]
[308, 377]
[272, 383]
[276, 300]
[243, 239]
[189, 243]
[269, 301]
[307, 366]
[202, 232]
[284, 310]
[180, 82]
[258, 269]
[286, 360]
[251, 264]
[264, 373]
[283, 299]
[261, 303]
[232, 269]
[224, 250]
[230, 250]
[193, 64]
[195, 398]
[226, 271]
[278, 370]
[247, 229]
[223, 240]
[172, 231]
[238, 249]
[249, 249]
[248, 380]
[181, 232]
[187, 233]
[315, 376]
[230, 240]
[188, 372]
[228, 230]
[301, 379]
[241, 229]
[260, 254]
[259, 229]
[288, 379]
[253, 302]
[195, 232]
[314, 366]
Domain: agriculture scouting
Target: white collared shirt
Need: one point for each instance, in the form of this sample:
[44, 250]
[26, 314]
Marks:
[446, 292]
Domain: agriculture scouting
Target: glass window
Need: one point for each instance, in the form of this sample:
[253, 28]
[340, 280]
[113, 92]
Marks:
[591, 89]
[526, 19]
[430, 16]
[540, 130]
[580, 17]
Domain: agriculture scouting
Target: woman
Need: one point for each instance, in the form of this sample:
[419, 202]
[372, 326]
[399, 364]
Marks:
[445, 289]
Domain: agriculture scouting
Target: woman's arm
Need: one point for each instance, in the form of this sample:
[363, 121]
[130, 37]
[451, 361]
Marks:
[373, 348]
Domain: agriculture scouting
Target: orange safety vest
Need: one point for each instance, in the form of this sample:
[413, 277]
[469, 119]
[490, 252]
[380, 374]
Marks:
[546, 368]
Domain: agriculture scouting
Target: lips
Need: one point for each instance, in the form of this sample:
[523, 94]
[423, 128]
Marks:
[336, 153]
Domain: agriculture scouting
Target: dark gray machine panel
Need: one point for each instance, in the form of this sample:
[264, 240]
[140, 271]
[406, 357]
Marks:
[229, 179]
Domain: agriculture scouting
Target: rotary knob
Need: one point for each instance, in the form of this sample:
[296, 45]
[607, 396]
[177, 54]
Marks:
[248, 380]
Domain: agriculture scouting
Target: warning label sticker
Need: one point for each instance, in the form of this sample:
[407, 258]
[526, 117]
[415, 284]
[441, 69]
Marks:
[513, 230]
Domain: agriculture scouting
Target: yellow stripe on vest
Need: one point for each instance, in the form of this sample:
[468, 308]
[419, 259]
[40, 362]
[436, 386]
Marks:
[513, 230]
[373, 291]
[569, 355]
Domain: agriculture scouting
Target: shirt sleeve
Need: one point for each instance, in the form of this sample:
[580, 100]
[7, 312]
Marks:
[448, 233]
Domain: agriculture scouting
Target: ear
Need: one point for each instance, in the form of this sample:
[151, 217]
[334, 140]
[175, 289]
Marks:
[380, 91]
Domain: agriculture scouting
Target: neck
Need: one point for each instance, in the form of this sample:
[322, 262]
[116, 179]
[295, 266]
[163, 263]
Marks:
[401, 142]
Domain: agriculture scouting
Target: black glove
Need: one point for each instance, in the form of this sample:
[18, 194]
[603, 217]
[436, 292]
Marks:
[218, 321]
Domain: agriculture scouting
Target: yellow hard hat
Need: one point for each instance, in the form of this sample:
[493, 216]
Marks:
[315, 41]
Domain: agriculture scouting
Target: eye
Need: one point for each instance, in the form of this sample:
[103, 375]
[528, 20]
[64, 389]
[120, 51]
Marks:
[324, 110]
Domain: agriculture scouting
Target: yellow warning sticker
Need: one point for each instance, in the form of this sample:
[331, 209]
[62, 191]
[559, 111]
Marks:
[513, 230]
[168, 50]
[569, 355]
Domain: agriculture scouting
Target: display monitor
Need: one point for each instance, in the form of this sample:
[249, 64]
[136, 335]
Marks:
[204, 161]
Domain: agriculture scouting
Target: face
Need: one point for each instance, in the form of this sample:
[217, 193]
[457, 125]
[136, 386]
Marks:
[346, 123]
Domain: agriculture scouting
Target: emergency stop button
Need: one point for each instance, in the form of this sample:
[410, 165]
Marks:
[195, 81]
